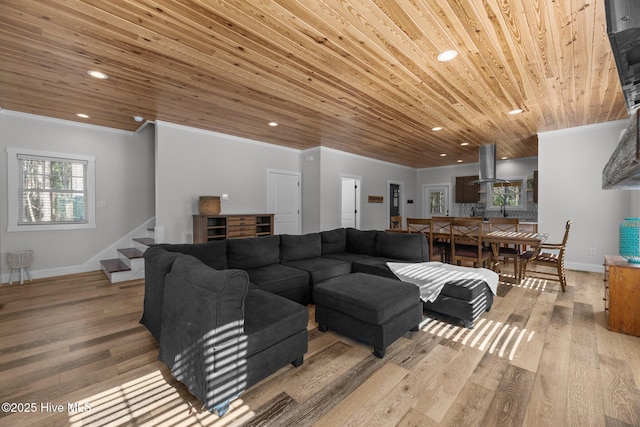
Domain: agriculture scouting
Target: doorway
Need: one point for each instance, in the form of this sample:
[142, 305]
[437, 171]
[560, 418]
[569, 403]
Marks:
[435, 200]
[350, 207]
[283, 200]
[395, 201]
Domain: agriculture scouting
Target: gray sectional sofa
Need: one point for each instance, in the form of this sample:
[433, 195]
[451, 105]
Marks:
[228, 313]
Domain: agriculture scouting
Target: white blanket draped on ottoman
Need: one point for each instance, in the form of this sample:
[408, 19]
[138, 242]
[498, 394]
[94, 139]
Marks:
[431, 277]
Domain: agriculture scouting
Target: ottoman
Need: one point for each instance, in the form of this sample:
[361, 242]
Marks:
[464, 299]
[372, 309]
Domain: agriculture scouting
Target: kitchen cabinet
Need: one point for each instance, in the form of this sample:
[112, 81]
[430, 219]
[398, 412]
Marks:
[622, 295]
[465, 192]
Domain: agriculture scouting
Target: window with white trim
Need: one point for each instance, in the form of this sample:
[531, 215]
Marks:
[50, 191]
[506, 194]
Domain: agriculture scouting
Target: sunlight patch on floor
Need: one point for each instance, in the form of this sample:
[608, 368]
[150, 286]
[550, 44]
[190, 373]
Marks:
[150, 400]
[500, 339]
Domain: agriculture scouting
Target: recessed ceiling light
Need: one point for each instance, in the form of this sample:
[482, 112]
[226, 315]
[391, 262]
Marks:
[138, 118]
[516, 111]
[443, 155]
[273, 124]
[459, 161]
[437, 128]
[83, 115]
[464, 144]
[504, 157]
[447, 55]
[97, 74]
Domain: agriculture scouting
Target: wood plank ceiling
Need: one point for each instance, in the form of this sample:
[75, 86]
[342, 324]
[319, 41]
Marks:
[359, 76]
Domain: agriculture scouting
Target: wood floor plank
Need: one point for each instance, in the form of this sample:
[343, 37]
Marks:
[584, 392]
[509, 404]
[546, 406]
[362, 407]
[470, 407]
[393, 406]
[438, 397]
[619, 390]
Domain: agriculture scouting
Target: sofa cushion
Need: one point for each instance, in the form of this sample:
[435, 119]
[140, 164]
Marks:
[213, 254]
[372, 299]
[361, 242]
[408, 247]
[254, 252]
[374, 265]
[270, 319]
[348, 257]
[291, 283]
[296, 247]
[320, 269]
[158, 262]
[334, 241]
[464, 289]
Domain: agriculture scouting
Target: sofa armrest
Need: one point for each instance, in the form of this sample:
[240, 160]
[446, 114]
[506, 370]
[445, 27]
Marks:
[202, 337]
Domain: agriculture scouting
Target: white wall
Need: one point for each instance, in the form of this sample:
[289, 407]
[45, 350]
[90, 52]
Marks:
[191, 163]
[570, 187]
[311, 160]
[376, 176]
[124, 179]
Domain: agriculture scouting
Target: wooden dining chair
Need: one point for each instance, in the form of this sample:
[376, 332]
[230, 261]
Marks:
[422, 226]
[439, 231]
[396, 222]
[466, 243]
[506, 252]
[541, 256]
[418, 225]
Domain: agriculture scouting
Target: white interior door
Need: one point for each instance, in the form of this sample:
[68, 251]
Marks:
[284, 201]
[350, 216]
[435, 200]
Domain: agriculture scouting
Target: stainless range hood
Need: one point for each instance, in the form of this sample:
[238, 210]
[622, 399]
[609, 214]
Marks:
[487, 171]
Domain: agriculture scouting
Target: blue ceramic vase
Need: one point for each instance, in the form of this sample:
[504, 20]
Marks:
[630, 239]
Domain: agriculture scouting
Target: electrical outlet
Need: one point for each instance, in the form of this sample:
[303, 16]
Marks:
[592, 251]
[102, 203]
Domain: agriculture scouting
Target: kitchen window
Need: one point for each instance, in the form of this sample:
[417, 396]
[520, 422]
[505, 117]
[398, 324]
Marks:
[506, 194]
[50, 191]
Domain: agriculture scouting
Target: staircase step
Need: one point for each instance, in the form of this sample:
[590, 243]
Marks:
[147, 241]
[114, 265]
[131, 253]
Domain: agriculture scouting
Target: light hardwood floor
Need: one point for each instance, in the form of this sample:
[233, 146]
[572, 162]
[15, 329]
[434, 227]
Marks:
[540, 357]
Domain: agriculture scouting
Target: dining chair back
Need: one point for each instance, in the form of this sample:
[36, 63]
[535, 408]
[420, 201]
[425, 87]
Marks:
[466, 242]
[542, 256]
[506, 252]
[439, 231]
[418, 225]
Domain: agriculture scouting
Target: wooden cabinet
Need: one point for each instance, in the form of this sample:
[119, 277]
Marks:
[622, 295]
[207, 228]
[465, 192]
